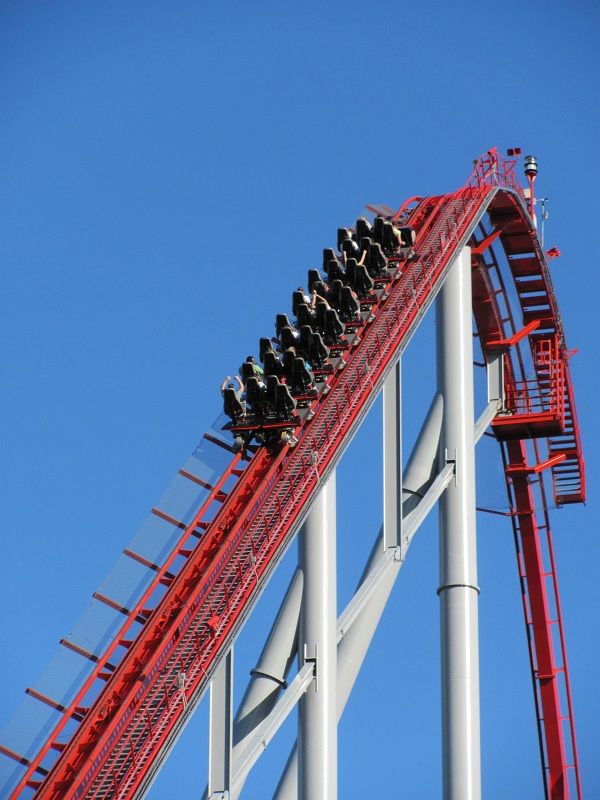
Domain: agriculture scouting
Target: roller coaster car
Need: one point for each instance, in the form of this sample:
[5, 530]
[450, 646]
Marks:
[271, 418]
[268, 431]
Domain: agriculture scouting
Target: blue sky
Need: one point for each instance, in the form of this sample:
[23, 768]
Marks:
[169, 172]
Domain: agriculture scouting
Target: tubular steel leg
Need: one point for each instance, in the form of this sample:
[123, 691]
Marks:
[221, 720]
[317, 719]
[392, 460]
[458, 557]
[353, 648]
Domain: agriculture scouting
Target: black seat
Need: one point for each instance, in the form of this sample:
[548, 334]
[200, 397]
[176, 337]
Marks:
[273, 365]
[363, 228]
[328, 255]
[408, 235]
[320, 311]
[287, 338]
[351, 265]
[335, 294]
[284, 402]
[350, 248]
[343, 233]
[303, 344]
[376, 262]
[256, 396]
[232, 405]
[281, 321]
[297, 299]
[391, 237]
[314, 276]
[246, 371]
[363, 282]
[334, 329]
[271, 396]
[264, 345]
[350, 307]
[378, 229]
[317, 352]
[364, 244]
[302, 379]
[305, 316]
[321, 289]
[288, 364]
[334, 270]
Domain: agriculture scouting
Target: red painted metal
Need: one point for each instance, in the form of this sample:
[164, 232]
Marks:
[126, 732]
[547, 665]
[535, 406]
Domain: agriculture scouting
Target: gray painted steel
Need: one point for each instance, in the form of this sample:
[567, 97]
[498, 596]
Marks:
[458, 589]
[317, 712]
[221, 716]
[392, 459]
[353, 647]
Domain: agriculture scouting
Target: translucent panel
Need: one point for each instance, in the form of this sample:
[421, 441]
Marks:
[10, 774]
[97, 628]
[126, 582]
[63, 677]
[184, 497]
[217, 432]
[155, 540]
[24, 735]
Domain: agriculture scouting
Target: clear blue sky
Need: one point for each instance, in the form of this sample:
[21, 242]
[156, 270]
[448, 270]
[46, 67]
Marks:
[169, 170]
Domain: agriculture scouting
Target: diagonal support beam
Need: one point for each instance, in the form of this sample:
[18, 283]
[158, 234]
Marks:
[390, 557]
[485, 419]
[263, 733]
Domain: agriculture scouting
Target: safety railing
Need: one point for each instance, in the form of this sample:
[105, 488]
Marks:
[535, 407]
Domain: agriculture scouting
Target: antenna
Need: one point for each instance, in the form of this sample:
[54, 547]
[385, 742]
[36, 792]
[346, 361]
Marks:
[542, 201]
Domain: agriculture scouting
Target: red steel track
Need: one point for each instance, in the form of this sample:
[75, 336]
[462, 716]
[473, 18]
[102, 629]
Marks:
[190, 615]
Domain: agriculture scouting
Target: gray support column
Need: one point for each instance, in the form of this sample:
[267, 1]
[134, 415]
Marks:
[221, 719]
[392, 460]
[418, 476]
[317, 718]
[458, 589]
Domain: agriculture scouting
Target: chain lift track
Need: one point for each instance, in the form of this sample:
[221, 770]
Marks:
[113, 736]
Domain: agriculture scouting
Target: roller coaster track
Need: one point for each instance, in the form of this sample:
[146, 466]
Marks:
[113, 735]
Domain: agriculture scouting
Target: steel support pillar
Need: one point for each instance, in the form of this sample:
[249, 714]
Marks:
[392, 459]
[221, 721]
[317, 718]
[352, 649]
[458, 589]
